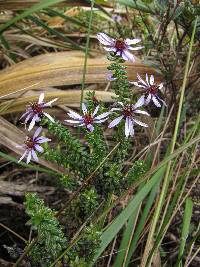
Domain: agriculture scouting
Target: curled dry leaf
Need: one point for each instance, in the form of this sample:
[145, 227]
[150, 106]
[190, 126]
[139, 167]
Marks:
[68, 97]
[23, 4]
[63, 68]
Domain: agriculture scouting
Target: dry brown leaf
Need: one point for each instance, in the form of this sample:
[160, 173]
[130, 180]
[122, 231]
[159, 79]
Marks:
[23, 4]
[57, 21]
[64, 97]
[63, 68]
[11, 136]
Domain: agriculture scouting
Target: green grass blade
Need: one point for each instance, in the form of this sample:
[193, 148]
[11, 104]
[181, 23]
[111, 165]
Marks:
[143, 218]
[185, 229]
[42, 4]
[54, 32]
[125, 240]
[29, 166]
[7, 47]
[52, 12]
[138, 5]
[121, 219]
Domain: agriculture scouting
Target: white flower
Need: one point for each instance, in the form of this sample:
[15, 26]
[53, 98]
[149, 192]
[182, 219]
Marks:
[87, 119]
[34, 111]
[31, 145]
[128, 112]
[150, 90]
[119, 46]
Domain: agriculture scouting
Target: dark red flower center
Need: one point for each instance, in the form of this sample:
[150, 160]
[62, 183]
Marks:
[88, 119]
[127, 111]
[120, 45]
[30, 143]
[37, 108]
[153, 89]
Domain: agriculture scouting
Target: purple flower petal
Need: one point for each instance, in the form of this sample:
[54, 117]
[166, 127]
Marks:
[126, 55]
[115, 109]
[127, 126]
[28, 157]
[151, 80]
[140, 102]
[41, 98]
[95, 111]
[147, 79]
[74, 115]
[71, 121]
[115, 122]
[48, 104]
[103, 115]
[105, 39]
[37, 132]
[23, 156]
[110, 77]
[141, 112]
[137, 84]
[34, 119]
[84, 109]
[90, 127]
[42, 139]
[48, 116]
[25, 114]
[132, 41]
[28, 117]
[131, 129]
[141, 80]
[148, 99]
[102, 120]
[39, 148]
[160, 86]
[135, 48]
[34, 155]
[156, 102]
[110, 49]
[140, 123]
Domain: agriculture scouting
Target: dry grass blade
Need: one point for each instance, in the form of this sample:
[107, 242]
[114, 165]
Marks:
[63, 68]
[64, 97]
[10, 136]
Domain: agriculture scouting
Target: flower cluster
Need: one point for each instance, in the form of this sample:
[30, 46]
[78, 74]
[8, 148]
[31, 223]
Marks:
[126, 111]
[150, 90]
[33, 114]
[87, 119]
[120, 47]
[35, 111]
[32, 144]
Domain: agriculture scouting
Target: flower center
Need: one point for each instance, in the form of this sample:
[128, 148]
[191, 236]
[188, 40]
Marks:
[127, 111]
[153, 89]
[30, 143]
[120, 44]
[88, 119]
[37, 108]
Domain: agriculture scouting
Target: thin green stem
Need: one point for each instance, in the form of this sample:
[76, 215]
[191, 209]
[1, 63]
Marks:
[86, 51]
[167, 176]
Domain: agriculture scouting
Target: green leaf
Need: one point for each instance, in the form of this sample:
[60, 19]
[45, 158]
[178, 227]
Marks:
[138, 5]
[27, 12]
